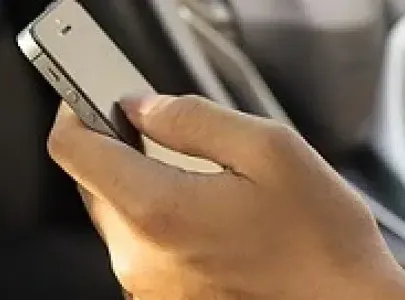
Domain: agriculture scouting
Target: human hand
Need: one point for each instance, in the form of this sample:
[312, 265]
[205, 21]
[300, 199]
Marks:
[277, 223]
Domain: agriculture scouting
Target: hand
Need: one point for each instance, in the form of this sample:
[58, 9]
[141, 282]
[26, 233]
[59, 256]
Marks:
[278, 223]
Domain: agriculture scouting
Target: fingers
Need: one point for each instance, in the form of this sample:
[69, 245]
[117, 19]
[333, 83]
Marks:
[108, 169]
[113, 227]
[159, 199]
[198, 127]
[89, 199]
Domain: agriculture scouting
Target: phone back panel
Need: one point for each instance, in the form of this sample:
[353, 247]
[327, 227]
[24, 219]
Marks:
[90, 58]
[102, 74]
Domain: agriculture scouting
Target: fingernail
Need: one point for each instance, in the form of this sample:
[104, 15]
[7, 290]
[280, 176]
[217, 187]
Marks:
[143, 106]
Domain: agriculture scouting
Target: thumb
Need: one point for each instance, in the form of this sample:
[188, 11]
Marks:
[198, 127]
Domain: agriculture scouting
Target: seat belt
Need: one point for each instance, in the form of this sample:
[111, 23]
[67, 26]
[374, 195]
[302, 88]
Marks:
[236, 69]
[185, 44]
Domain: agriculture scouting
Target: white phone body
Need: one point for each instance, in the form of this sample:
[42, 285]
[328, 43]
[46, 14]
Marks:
[92, 74]
[84, 66]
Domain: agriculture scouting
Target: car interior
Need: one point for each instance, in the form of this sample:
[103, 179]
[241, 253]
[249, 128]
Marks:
[332, 69]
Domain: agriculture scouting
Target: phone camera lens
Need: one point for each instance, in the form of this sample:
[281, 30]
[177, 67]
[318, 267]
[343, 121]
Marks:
[66, 30]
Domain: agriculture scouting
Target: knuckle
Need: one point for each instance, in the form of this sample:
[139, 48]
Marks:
[56, 144]
[164, 216]
[185, 107]
[62, 137]
[272, 146]
[275, 139]
[185, 112]
[159, 221]
[281, 132]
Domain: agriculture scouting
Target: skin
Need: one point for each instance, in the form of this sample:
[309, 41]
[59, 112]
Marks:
[277, 223]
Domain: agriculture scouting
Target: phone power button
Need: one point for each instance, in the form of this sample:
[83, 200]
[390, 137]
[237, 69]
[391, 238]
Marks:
[72, 96]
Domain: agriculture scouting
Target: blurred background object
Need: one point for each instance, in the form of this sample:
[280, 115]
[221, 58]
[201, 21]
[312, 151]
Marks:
[395, 9]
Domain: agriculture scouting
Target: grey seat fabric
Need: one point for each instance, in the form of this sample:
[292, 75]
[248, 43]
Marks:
[395, 9]
[250, 93]
[322, 60]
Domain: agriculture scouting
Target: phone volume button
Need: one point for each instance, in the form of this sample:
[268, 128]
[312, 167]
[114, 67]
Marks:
[72, 96]
[91, 117]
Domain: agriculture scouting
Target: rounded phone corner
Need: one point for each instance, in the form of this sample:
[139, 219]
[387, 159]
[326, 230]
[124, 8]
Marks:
[27, 44]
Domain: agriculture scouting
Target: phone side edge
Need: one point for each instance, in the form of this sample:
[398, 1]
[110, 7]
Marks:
[27, 40]
[27, 43]
[36, 55]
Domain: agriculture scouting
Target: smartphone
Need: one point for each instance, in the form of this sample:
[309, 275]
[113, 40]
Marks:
[92, 74]
[85, 67]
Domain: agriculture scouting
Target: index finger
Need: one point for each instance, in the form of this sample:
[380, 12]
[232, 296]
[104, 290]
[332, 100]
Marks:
[113, 171]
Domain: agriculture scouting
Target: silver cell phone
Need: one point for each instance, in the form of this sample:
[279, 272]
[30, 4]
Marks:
[85, 67]
[92, 74]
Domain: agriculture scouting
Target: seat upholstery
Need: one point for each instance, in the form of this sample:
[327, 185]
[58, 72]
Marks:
[322, 60]
[395, 9]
